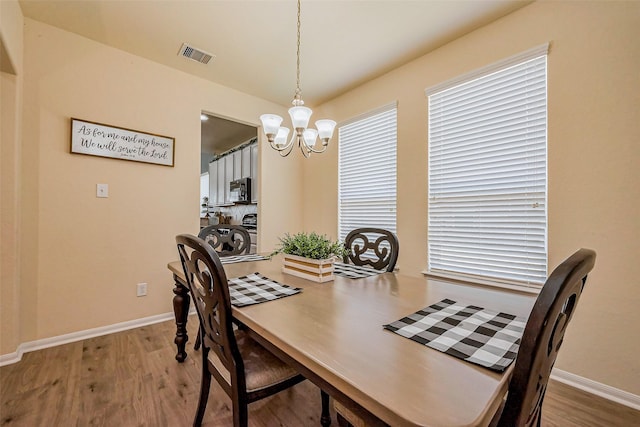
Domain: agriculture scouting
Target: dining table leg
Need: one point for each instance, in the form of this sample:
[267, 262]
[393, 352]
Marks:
[325, 416]
[181, 302]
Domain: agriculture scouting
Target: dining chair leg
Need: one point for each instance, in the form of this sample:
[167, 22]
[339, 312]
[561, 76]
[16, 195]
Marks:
[204, 394]
[196, 345]
[240, 413]
[325, 417]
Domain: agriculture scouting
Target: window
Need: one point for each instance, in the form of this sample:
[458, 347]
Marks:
[487, 215]
[367, 171]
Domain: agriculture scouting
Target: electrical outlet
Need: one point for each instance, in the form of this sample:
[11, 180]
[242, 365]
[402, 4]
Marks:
[141, 289]
[102, 190]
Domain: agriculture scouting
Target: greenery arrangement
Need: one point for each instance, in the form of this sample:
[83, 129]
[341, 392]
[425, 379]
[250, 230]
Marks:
[310, 245]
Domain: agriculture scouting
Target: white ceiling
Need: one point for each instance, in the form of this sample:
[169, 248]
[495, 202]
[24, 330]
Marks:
[344, 43]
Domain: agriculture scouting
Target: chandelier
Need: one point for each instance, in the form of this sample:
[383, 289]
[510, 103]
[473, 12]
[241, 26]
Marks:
[300, 115]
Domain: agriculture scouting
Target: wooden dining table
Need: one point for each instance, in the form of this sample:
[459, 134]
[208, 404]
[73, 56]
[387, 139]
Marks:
[333, 334]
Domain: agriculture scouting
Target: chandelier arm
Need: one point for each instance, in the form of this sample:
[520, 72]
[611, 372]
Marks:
[313, 150]
[285, 152]
[303, 147]
[275, 147]
[284, 147]
[288, 147]
[294, 137]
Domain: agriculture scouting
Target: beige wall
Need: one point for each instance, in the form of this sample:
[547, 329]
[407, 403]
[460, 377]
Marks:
[10, 113]
[83, 256]
[594, 153]
[11, 36]
[80, 257]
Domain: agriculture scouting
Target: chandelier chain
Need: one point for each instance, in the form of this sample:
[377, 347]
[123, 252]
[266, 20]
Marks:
[298, 94]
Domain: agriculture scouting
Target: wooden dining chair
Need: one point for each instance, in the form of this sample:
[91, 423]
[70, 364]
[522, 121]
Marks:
[245, 370]
[227, 239]
[539, 346]
[373, 247]
[541, 341]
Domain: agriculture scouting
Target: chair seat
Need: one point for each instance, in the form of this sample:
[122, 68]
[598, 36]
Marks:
[262, 369]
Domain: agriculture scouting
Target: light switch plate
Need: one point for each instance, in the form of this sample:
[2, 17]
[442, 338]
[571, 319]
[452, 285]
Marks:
[102, 190]
[141, 289]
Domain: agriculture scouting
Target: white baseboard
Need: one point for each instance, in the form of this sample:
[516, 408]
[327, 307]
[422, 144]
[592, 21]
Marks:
[607, 392]
[7, 359]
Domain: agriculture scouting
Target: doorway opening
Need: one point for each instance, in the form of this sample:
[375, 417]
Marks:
[228, 154]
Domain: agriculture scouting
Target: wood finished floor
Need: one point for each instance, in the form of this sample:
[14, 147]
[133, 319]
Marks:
[132, 379]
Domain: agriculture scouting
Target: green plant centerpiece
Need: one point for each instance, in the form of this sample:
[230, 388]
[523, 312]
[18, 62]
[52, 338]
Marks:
[309, 255]
[310, 245]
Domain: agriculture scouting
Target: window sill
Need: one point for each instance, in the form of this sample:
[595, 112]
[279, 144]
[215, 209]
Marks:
[529, 289]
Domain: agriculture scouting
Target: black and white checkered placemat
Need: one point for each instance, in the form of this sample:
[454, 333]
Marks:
[485, 337]
[256, 288]
[242, 258]
[353, 271]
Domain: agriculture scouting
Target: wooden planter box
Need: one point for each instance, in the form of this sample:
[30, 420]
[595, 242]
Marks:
[317, 270]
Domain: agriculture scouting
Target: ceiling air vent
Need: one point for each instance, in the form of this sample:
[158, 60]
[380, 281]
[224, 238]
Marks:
[195, 54]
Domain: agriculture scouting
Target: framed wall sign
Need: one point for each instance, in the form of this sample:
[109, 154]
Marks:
[102, 140]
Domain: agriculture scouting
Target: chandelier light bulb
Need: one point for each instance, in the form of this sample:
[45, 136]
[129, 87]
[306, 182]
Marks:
[310, 136]
[325, 129]
[270, 124]
[281, 137]
[300, 117]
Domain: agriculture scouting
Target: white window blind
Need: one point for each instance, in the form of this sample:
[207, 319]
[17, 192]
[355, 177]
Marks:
[367, 171]
[487, 214]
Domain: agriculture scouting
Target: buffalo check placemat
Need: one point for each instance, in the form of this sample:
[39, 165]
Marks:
[353, 271]
[484, 337]
[256, 288]
[242, 258]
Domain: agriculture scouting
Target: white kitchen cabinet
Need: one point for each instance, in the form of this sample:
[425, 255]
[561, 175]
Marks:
[246, 162]
[254, 172]
[228, 176]
[237, 164]
[213, 183]
[223, 188]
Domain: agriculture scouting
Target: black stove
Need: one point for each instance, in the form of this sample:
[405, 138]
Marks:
[250, 221]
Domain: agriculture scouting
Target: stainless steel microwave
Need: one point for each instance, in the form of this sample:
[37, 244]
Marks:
[240, 190]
